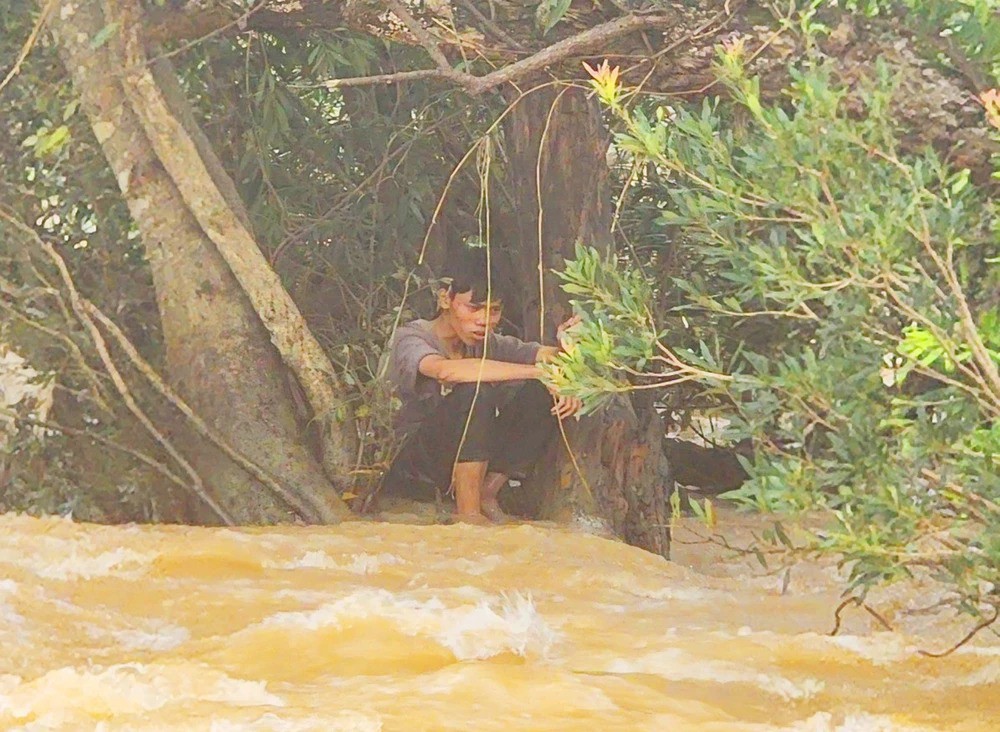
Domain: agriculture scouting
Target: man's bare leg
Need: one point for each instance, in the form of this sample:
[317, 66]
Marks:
[467, 479]
[490, 507]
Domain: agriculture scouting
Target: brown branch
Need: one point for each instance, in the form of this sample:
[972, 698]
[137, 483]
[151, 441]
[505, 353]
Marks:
[163, 26]
[200, 425]
[167, 25]
[423, 37]
[857, 601]
[76, 303]
[394, 78]
[98, 393]
[239, 21]
[982, 625]
[73, 432]
[29, 43]
[491, 26]
[578, 44]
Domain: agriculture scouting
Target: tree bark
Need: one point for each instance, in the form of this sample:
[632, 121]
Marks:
[218, 353]
[617, 475]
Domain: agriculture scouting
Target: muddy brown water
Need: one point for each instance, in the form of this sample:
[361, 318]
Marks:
[406, 626]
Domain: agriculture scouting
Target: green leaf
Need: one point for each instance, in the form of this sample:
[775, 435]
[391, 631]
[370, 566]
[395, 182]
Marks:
[52, 141]
[70, 110]
[103, 36]
[550, 12]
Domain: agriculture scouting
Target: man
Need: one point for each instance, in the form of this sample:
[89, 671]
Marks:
[473, 412]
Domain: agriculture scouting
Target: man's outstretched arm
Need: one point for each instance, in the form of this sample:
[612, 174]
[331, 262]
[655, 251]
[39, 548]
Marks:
[471, 370]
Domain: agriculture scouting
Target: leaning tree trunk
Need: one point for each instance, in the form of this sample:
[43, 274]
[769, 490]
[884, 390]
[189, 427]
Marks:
[620, 478]
[220, 305]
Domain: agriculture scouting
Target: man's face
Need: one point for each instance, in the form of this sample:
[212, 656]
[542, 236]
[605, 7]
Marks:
[470, 318]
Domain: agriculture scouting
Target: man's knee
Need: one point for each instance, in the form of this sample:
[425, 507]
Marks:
[533, 401]
[466, 398]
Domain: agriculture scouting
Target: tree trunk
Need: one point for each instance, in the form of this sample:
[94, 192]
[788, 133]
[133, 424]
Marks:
[620, 479]
[196, 236]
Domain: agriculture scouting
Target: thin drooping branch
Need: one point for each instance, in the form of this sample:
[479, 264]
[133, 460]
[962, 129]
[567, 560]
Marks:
[857, 601]
[96, 391]
[196, 485]
[423, 36]
[43, 16]
[979, 627]
[49, 424]
[199, 424]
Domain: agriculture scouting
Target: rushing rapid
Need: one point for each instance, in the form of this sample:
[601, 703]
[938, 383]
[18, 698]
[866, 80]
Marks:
[389, 626]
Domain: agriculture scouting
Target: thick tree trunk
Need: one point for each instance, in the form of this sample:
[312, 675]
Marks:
[218, 352]
[617, 475]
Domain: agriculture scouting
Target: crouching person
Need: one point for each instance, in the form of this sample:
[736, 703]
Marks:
[473, 413]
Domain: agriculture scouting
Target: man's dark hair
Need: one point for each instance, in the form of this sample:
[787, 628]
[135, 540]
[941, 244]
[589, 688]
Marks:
[466, 272]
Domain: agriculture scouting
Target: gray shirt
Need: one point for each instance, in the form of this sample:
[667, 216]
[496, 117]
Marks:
[419, 394]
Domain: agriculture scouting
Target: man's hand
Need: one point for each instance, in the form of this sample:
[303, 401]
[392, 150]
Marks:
[565, 406]
[565, 326]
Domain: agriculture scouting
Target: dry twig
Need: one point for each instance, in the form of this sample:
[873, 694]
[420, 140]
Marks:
[980, 626]
[197, 486]
[199, 424]
[29, 43]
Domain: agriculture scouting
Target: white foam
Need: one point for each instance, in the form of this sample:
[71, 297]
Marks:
[478, 566]
[361, 564]
[985, 676]
[677, 665]
[824, 722]
[62, 694]
[346, 720]
[483, 631]
[77, 566]
[881, 648]
[8, 615]
[471, 631]
[239, 692]
[159, 637]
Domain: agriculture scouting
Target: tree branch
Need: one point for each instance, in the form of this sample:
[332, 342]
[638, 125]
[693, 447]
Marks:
[422, 35]
[166, 25]
[581, 43]
[43, 16]
[142, 457]
[210, 196]
[199, 424]
[76, 302]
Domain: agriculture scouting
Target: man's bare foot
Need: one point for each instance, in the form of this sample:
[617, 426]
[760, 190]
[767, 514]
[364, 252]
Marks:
[491, 510]
[470, 518]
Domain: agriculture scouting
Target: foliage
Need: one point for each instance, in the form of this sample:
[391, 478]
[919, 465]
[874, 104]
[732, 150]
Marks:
[338, 185]
[970, 28]
[861, 285]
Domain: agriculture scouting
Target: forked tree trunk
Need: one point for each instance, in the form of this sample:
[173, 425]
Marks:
[620, 479]
[214, 289]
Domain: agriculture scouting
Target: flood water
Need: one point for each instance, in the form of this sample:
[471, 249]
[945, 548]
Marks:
[388, 626]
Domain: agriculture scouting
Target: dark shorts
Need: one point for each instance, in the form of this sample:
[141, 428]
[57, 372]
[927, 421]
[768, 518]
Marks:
[507, 425]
